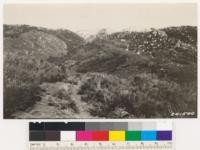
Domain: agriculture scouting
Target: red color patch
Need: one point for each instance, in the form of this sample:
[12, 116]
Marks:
[100, 135]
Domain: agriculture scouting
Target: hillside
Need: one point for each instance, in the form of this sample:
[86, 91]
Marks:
[28, 52]
[150, 74]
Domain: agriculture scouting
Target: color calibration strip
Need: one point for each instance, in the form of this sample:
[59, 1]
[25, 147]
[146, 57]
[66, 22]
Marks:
[100, 131]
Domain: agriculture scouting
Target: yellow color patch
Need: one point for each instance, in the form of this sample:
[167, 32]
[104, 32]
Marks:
[116, 135]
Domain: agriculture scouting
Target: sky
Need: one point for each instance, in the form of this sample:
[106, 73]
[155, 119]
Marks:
[92, 17]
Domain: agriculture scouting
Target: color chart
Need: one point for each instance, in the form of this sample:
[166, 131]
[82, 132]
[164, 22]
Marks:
[100, 135]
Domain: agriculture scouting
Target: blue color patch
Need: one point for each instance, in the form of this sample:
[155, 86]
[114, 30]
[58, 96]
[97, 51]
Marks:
[148, 135]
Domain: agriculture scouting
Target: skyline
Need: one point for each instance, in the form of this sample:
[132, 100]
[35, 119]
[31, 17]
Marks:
[90, 18]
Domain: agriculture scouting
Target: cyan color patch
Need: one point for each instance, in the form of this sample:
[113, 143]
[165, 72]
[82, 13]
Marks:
[148, 135]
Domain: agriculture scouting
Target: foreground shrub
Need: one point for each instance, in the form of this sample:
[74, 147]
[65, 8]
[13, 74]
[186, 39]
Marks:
[62, 100]
[142, 95]
[22, 77]
[19, 97]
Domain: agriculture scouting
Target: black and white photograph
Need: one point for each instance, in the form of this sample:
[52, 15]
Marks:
[99, 61]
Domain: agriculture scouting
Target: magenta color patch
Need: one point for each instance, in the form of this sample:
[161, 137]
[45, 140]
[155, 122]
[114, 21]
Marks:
[83, 136]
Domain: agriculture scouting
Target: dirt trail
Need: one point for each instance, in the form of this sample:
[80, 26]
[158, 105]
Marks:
[43, 109]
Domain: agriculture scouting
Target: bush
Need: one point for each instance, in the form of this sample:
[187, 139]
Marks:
[22, 76]
[19, 97]
[153, 97]
[50, 73]
[142, 95]
[62, 100]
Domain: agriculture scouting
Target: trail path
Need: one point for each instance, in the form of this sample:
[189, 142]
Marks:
[42, 109]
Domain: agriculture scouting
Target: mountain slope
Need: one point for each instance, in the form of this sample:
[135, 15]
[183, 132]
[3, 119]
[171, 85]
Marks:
[27, 54]
[171, 54]
[121, 75]
[155, 60]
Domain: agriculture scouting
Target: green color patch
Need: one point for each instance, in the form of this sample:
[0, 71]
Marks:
[133, 135]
